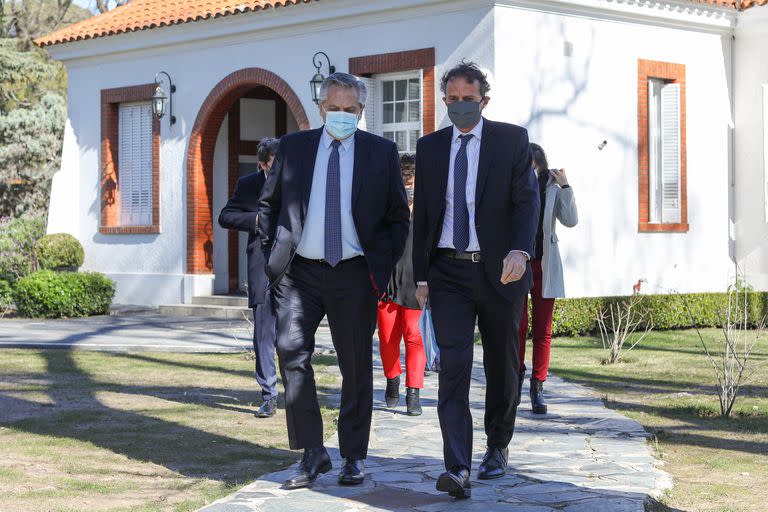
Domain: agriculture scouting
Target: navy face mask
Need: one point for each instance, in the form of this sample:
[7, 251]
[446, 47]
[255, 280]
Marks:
[464, 114]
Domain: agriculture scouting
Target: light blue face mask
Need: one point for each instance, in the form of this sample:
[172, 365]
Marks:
[341, 125]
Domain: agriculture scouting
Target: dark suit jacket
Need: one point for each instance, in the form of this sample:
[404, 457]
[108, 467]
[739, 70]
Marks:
[240, 214]
[379, 204]
[506, 200]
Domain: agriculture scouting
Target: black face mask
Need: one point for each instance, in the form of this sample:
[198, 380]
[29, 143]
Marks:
[464, 114]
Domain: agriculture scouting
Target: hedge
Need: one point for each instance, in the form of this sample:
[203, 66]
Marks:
[6, 294]
[578, 316]
[58, 251]
[17, 246]
[49, 294]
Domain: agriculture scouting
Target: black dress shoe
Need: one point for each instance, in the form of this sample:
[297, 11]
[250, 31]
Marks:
[314, 463]
[392, 394]
[520, 387]
[494, 464]
[353, 472]
[455, 482]
[537, 397]
[412, 403]
[267, 409]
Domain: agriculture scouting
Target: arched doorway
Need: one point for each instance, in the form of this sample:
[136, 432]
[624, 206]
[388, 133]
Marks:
[225, 101]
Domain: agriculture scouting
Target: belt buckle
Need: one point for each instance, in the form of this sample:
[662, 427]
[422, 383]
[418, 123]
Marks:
[475, 260]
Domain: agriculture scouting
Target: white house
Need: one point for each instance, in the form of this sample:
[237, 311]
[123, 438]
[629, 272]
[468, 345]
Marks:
[655, 108]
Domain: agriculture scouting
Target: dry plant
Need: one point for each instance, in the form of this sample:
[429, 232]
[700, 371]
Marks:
[618, 323]
[730, 358]
[247, 348]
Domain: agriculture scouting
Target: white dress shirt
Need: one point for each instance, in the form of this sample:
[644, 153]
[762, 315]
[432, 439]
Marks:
[473, 158]
[312, 243]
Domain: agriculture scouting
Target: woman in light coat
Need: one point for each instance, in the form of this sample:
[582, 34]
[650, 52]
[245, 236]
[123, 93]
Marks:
[557, 203]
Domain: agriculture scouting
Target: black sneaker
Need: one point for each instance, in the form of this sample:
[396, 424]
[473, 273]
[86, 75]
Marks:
[267, 409]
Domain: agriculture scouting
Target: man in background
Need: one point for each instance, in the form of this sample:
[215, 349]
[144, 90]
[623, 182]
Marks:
[240, 214]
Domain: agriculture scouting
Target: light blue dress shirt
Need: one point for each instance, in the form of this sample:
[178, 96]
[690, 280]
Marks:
[312, 243]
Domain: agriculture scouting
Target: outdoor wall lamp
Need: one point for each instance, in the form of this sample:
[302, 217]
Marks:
[318, 79]
[159, 99]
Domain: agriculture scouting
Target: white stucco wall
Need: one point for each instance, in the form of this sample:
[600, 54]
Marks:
[571, 104]
[751, 75]
[196, 67]
[522, 50]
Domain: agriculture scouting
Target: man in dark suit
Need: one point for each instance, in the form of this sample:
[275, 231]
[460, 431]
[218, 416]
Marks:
[240, 214]
[476, 209]
[335, 214]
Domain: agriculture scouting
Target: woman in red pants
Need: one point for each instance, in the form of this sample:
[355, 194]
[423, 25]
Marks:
[557, 203]
[398, 319]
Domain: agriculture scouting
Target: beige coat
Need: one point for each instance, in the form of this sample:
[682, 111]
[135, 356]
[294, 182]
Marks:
[560, 205]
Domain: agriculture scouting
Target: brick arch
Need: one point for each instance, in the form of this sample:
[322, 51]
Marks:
[200, 155]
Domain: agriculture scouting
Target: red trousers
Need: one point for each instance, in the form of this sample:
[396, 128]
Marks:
[395, 323]
[542, 326]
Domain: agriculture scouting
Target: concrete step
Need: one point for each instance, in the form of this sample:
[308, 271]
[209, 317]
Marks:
[221, 300]
[206, 311]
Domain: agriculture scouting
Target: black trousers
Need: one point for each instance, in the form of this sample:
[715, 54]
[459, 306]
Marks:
[460, 295]
[264, 338]
[308, 291]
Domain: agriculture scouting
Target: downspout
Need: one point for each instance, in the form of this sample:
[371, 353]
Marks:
[732, 156]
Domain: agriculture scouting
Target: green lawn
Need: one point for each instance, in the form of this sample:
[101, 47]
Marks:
[138, 432]
[667, 384]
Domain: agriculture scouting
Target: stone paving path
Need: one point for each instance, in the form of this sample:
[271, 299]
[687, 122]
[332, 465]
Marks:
[581, 457]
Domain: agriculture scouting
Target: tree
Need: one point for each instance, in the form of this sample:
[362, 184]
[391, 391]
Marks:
[32, 118]
[105, 5]
[26, 20]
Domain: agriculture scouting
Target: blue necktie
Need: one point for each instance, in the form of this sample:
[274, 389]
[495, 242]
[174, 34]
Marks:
[333, 250]
[460, 210]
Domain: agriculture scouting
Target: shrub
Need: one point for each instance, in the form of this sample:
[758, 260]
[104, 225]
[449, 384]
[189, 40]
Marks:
[17, 243]
[579, 316]
[6, 294]
[49, 294]
[58, 251]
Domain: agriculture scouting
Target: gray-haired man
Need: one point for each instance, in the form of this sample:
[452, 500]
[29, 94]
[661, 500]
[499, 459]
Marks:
[335, 215]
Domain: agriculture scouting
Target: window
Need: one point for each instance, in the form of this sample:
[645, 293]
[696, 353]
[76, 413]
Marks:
[664, 151]
[130, 162]
[135, 164]
[407, 80]
[394, 108]
[661, 147]
[401, 109]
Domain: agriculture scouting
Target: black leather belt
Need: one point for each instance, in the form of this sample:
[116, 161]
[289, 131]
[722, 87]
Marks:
[474, 257]
[324, 262]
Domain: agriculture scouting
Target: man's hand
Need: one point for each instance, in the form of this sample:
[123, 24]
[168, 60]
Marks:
[514, 267]
[422, 294]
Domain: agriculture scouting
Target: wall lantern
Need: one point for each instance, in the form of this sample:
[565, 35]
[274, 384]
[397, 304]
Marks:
[159, 99]
[318, 79]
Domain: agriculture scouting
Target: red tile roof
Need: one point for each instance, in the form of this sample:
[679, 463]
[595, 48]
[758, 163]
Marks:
[744, 4]
[145, 14]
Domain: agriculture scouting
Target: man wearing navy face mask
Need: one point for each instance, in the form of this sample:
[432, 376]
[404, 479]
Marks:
[335, 217]
[476, 212]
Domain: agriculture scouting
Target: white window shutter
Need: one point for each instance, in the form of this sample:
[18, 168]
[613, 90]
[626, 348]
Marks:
[670, 152]
[135, 164]
[369, 120]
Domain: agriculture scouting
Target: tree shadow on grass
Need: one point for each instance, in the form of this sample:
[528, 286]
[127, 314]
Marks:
[76, 412]
[646, 385]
